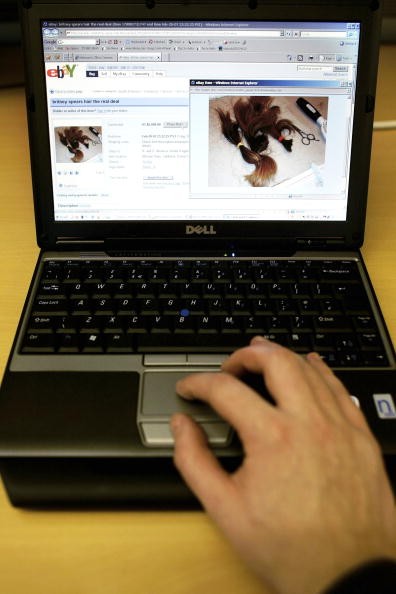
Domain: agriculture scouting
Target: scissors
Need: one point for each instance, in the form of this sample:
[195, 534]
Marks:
[307, 138]
[313, 114]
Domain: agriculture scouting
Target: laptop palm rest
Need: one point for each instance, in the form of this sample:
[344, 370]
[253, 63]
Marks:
[158, 401]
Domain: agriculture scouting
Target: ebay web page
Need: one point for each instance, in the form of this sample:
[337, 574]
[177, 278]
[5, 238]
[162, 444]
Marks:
[194, 121]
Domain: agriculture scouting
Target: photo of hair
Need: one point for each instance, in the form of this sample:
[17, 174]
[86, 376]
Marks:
[78, 144]
[263, 141]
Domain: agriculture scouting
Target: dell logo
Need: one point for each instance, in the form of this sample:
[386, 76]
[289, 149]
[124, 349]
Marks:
[200, 230]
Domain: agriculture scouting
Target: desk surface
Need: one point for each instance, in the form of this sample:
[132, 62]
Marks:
[132, 552]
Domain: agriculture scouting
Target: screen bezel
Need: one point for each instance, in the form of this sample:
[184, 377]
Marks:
[350, 232]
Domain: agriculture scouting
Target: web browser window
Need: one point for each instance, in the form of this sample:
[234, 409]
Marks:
[200, 120]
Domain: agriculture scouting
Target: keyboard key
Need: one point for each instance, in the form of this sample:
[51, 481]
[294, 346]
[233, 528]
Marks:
[322, 290]
[357, 305]
[301, 323]
[329, 357]
[87, 323]
[91, 343]
[184, 325]
[331, 306]
[208, 324]
[286, 306]
[103, 306]
[346, 343]
[364, 322]
[126, 306]
[76, 290]
[80, 306]
[332, 322]
[255, 325]
[374, 359]
[52, 271]
[50, 290]
[263, 306]
[230, 325]
[309, 306]
[279, 290]
[40, 324]
[219, 306]
[370, 339]
[349, 359]
[301, 290]
[68, 343]
[221, 343]
[193, 306]
[39, 343]
[159, 324]
[118, 343]
[352, 290]
[112, 324]
[136, 324]
[99, 290]
[300, 342]
[64, 324]
[90, 274]
[278, 323]
[240, 306]
[150, 306]
[322, 340]
[335, 271]
[56, 306]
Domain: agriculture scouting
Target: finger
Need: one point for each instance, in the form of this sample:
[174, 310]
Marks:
[339, 391]
[284, 372]
[232, 399]
[200, 469]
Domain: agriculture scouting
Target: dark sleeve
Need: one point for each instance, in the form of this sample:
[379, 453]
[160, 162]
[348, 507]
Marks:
[376, 577]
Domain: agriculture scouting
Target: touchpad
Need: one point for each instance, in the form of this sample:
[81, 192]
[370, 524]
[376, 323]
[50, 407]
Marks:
[158, 401]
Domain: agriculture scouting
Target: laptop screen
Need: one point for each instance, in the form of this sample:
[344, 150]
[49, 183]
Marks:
[200, 120]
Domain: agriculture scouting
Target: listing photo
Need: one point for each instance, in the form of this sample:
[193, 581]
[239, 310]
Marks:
[264, 141]
[78, 144]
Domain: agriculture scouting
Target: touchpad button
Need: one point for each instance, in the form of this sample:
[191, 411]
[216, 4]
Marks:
[158, 401]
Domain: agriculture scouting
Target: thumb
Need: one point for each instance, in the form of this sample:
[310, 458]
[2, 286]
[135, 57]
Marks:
[200, 469]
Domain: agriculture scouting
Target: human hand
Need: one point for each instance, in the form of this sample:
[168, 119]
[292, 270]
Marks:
[311, 499]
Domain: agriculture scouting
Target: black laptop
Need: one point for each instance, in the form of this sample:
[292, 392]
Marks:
[200, 176]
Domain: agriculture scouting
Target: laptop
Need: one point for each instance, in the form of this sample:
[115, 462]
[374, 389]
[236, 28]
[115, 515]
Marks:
[200, 176]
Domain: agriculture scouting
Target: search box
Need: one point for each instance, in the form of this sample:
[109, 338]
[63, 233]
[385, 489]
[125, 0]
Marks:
[325, 34]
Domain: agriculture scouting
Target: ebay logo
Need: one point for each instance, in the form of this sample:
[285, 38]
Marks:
[61, 72]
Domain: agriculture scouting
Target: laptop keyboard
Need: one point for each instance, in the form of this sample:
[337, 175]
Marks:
[129, 306]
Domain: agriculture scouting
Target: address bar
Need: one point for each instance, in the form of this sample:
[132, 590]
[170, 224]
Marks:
[167, 33]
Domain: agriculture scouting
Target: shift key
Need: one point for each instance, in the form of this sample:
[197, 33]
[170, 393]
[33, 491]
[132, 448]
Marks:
[332, 323]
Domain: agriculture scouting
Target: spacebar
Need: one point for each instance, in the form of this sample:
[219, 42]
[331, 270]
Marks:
[198, 343]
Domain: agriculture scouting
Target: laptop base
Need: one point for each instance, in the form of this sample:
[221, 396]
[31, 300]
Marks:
[106, 483]
[83, 449]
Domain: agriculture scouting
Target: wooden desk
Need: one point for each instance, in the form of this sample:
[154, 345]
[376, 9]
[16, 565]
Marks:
[131, 552]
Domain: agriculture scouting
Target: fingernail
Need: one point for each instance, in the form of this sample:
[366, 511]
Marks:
[176, 424]
[179, 387]
[182, 391]
[256, 339]
[314, 356]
